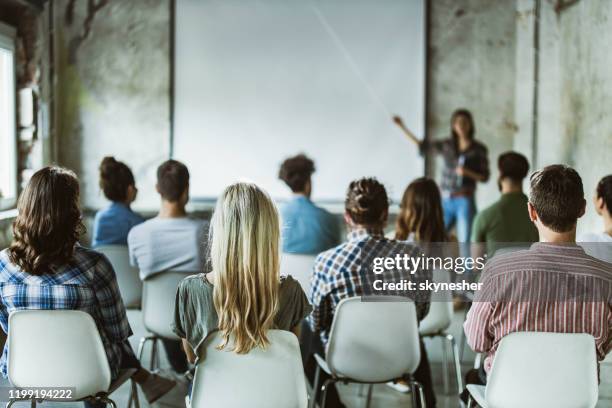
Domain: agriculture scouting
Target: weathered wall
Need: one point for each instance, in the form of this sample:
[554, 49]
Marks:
[113, 91]
[472, 65]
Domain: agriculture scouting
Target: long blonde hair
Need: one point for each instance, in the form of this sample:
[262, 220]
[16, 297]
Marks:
[245, 259]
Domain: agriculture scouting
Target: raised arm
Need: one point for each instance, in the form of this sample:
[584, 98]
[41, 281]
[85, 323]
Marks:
[400, 123]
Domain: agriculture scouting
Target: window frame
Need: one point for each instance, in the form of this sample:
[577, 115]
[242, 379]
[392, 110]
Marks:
[8, 36]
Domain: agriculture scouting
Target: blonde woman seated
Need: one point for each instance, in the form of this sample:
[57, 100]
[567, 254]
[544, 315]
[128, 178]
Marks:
[244, 295]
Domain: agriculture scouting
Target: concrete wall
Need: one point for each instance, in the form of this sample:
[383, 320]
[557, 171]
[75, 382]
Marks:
[472, 65]
[113, 92]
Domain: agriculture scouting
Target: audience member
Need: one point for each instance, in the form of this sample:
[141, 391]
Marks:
[599, 244]
[45, 268]
[170, 241]
[507, 220]
[244, 295]
[337, 273]
[554, 275]
[307, 229]
[112, 224]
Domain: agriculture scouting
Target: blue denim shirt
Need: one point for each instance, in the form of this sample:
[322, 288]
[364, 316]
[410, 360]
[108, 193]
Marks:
[112, 224]
[308, 229]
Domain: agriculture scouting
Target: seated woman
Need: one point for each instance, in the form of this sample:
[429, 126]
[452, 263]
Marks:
[112, 224]
[599, 244]
[244, 295]
[50, 270]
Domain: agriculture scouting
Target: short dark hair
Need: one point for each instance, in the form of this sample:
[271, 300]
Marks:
[296, 171]
[557, 195]
[513, 165]
[604, 191]
[366, 201]
[115, 178]
[172, 179]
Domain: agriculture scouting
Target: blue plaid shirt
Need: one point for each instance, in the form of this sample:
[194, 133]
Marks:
[346, 271]
[86, 283]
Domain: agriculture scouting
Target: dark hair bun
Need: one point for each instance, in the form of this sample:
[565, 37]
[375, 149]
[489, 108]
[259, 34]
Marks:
[366, 201]
[115, 178]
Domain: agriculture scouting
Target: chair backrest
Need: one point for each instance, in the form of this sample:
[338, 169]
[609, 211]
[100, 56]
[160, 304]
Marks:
[300, 267]
[440, 314]
[57, 348]
[158, 301]
[129, 282]
[374, 341]
[270, 378]
[535, 369]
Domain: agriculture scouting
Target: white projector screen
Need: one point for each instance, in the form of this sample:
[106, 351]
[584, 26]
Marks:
[257, 81]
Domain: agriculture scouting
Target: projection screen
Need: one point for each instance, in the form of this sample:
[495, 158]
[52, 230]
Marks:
[256, 81]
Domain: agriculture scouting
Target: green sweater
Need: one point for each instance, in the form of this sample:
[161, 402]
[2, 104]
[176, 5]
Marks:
[506, 221]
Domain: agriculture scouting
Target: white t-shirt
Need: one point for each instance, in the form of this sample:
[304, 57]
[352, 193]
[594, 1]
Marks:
[162, 244]
[597, 244]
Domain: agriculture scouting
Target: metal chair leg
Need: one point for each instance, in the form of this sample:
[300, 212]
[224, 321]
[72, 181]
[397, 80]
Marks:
[416, 386]
[369, 397]
[413, 393]
[153, 363]
[457, 361]
[445, 366]
[324, 388]
[315, 388]
[470, 403]
[133, 395]
[10, 403]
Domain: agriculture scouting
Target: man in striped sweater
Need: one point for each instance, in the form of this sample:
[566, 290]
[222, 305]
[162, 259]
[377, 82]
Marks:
[552, 287]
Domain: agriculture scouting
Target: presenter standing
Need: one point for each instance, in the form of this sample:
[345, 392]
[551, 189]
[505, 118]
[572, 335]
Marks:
[465, 163]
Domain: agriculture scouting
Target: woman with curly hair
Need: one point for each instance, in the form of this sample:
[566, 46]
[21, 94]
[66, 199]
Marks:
[46, 268]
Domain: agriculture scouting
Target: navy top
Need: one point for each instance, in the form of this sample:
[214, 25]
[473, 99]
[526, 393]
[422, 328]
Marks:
[112, 224]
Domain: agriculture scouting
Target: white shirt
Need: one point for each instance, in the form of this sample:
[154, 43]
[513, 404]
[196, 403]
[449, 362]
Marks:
[162, 244]
[597, 244]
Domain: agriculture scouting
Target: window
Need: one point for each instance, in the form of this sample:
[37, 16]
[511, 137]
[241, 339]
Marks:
[8, 132]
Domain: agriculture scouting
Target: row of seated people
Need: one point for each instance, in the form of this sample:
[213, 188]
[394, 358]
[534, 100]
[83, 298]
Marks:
[46, 266]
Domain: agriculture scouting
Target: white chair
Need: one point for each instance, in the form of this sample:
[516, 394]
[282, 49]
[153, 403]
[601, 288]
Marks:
[370, 342]
[270, 378]
[158, 301]
[436, 324]
[300, 267]
[61, 348]
[534, 369]
[128, 280]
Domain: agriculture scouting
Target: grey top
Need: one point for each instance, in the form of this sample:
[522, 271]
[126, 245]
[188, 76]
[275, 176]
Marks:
[162, 244]
[195, 315]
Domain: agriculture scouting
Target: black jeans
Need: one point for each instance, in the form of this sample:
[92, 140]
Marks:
[176, 355]
[311, 344]
[476, 376]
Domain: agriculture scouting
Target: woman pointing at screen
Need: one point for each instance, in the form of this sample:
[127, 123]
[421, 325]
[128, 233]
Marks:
[465, 163]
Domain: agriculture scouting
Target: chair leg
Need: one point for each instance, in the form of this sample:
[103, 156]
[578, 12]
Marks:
[133, 395]
[470, 403]
[324, 388]
[415, 388]
[445, 366]
[10, 403]
[457, 360]
[315, 388]
[369, 397]
[153, 363]
[33, 403]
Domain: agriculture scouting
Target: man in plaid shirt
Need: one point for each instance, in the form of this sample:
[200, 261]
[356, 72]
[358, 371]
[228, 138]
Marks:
[347, 271]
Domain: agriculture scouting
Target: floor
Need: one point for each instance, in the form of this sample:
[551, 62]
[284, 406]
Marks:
[352, 395]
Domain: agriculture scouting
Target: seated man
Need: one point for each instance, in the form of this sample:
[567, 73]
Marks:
[517, 284]
[338, 275]
[170, 241]
[307, 229]
[507, 220]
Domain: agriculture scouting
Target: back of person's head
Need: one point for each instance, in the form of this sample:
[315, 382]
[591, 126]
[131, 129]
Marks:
[604, 192]
[367, 203]
[557, 195]
[172, 180]
[513, 165]
[421, 212]
[115, 179]
[296, 172]
[48, 224]
[245, 258]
